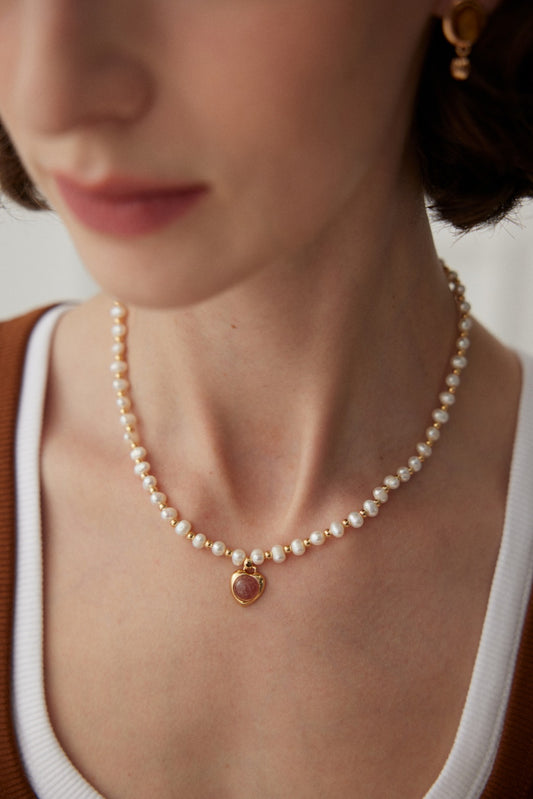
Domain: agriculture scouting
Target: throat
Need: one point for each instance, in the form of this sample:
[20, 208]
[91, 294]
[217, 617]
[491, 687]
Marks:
[248, 584]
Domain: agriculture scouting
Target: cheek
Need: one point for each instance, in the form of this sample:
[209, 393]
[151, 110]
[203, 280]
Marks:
[292, 97]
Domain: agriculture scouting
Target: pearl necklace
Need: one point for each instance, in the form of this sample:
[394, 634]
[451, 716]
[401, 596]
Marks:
[247, 583]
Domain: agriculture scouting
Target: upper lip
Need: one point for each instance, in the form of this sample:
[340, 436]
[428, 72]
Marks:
[123, 187]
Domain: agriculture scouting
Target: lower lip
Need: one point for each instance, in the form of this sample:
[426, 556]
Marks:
[128, 214]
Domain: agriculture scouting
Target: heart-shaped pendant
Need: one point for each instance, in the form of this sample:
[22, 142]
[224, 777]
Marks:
[247, 584]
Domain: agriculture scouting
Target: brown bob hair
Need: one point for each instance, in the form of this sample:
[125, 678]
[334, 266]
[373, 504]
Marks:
[474, 138]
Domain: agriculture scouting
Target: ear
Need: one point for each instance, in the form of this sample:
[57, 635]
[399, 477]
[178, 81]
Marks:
[441, 7]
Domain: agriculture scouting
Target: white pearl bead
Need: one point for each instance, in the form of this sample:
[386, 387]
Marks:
[257, 556]
[218, 548]
[380, 494]
[127, 419]
[337, 529]
[392, 481]
[169, 513]
[465, 325]
[149, 482]
[117, 331]
[414, 463]
[238, 556]
[465, 307]
[120, 384]
[404, 474]
[117, 311]
[355, 519]
[459, 362]
[447, 398]
[119, 366]
[142, 468]
[199, 540]
[370, 507]
[183, 527]
[317, 538]
[463, 343]
[423, 449]
[117, 348]
[278, 553]
[124, 403]
[432, 434]
[132, 437]
[158, 498]
[453, 380]
[138, 453]
[298, 547]
[440, 416]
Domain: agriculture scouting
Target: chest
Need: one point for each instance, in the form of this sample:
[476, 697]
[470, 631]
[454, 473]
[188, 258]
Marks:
[345, 676]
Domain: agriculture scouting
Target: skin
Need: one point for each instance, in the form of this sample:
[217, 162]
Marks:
[288, 339]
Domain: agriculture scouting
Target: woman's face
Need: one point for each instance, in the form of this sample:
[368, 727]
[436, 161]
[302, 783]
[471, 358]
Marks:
[278, 110]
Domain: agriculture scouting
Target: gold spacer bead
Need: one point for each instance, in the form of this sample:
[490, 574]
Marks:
[190, 535]
[268, 555]
[345, 523]
[307, 543]
[208, 544]
[327, 533]
[228, 553]
[287, 549]
[174, 522]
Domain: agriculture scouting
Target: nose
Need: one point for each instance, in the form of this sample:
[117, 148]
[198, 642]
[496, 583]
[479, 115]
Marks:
[79, 64]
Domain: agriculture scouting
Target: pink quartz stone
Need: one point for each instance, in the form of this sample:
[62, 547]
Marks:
[246, 587]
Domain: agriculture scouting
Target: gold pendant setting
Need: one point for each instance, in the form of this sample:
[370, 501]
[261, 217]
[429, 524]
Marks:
[247, 584]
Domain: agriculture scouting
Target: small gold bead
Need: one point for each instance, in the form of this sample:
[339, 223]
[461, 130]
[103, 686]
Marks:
[208, 544]
[174, 522]
[307, 543]
[346, 523]
[190, 535]
[287, 549]
[268, 555]
[228, 553]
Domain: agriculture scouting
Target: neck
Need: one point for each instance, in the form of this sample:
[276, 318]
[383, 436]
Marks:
[302, 376]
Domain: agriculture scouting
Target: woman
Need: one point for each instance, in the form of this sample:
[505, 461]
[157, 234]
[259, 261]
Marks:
[244, 182]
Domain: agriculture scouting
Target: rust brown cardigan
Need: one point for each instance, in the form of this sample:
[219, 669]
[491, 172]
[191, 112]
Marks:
[512, 775]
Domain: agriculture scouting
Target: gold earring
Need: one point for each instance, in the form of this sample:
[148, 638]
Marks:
[462, 26]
